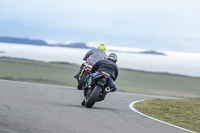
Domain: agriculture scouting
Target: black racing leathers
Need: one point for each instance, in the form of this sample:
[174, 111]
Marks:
[107, 66]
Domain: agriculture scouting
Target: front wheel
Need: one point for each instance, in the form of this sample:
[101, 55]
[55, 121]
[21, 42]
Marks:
[82, 81]
[93, 96]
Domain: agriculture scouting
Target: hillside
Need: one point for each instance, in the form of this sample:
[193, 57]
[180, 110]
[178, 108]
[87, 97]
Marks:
[40, 42]
[37, 42]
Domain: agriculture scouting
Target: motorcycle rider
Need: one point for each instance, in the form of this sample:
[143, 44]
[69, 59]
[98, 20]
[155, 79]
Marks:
[92, 56]
[109, 66]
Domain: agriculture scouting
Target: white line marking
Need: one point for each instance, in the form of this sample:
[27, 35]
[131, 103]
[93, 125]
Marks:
[131, 106]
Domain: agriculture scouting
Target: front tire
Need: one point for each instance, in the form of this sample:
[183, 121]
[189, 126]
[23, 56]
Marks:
[93, 96]
[82, 81]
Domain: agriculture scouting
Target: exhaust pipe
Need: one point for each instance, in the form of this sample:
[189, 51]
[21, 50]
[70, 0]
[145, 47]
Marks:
[107, 89]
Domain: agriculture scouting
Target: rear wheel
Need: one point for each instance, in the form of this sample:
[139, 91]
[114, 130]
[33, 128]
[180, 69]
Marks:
[82, 81]
[93, 96]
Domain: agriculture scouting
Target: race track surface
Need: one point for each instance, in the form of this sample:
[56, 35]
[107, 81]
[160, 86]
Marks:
[39, 108]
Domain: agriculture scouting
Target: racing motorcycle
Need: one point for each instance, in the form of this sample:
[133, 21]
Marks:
[84, 75]
[97, 90]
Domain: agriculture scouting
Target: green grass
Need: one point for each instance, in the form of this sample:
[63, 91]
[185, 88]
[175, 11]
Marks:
[158, 84]
[35, 71]
[128, 80]
[181, 112]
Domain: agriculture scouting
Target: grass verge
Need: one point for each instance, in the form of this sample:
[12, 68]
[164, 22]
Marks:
[159, 84]
[37, 71]
[180, 112]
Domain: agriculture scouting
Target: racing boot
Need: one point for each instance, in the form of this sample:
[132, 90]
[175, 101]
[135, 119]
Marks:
[76, 76]
[83, 102]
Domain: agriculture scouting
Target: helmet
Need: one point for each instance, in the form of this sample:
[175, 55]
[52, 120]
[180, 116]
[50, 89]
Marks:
[102, 47]
[113, 57]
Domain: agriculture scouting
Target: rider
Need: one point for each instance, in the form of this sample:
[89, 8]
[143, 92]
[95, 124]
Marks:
[95, 55]
[92, 56]
[109, 66]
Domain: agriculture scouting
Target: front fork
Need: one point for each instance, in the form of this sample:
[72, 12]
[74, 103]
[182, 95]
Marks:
[82, 72]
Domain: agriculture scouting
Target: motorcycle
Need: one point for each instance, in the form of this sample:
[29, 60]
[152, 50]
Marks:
[84, 75]
[97, 90]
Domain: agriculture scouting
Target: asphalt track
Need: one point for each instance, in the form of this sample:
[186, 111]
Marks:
[39, 108]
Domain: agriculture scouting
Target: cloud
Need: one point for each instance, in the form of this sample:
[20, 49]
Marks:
[113, 21]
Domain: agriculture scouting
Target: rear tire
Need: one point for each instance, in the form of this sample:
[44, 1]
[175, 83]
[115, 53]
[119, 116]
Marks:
[93, 96]
[82, 81]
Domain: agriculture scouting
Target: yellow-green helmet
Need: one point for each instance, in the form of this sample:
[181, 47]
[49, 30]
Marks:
[102, 47]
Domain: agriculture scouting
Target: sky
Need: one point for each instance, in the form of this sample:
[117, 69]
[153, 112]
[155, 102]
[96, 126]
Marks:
[164, 25]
